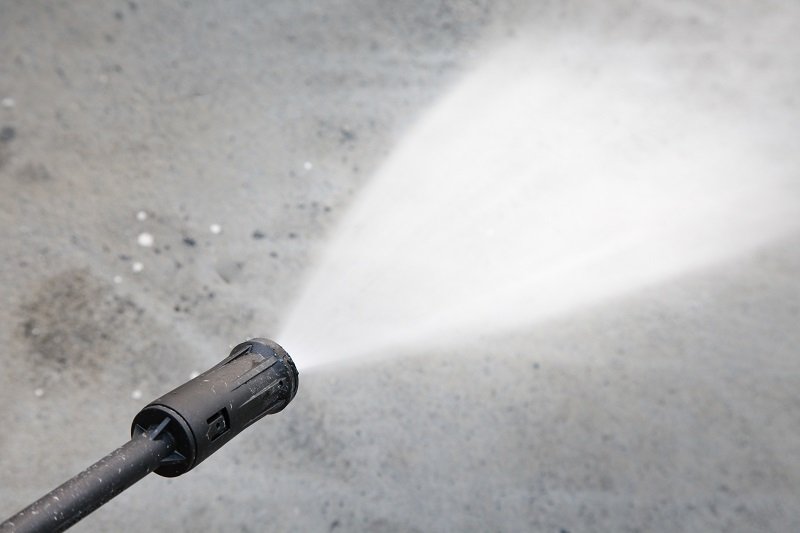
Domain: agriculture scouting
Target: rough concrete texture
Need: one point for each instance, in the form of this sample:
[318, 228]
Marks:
[675, 409]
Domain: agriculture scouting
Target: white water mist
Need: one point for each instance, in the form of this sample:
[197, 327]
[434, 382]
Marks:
[547, 180]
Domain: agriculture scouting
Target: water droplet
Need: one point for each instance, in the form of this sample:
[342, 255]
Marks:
[145, 239]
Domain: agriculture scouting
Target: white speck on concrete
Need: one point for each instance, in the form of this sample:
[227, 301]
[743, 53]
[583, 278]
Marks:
[141, 215]
[9, 102]
[145, 239]
[307, 165]
[216, 229]
[194, 374]
[136, 394]
[137, 266]
[38, 393]
[117, 279]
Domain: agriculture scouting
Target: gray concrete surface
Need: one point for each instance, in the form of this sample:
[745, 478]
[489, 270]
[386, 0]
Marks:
[675, 409]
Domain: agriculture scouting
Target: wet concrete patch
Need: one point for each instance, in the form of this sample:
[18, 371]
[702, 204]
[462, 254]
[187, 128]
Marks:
[34, 173]
[7, 134]
[73, 324]
[78, 328]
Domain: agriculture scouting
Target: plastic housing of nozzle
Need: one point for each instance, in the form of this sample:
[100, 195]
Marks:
[258, 378]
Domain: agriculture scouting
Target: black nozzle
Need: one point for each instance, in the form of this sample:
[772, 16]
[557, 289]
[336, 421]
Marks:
[258, 378]
[174, 433]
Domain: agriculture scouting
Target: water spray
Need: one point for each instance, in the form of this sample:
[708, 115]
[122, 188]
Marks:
[174, 433]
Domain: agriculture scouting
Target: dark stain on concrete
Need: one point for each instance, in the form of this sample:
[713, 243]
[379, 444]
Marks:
[7, 134]
[73, 324]
[34, 172]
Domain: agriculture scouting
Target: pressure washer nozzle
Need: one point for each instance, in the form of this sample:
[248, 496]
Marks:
[258, 378]
[174, 433]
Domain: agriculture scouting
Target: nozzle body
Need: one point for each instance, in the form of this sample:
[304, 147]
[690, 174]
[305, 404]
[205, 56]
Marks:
[174, 433]
[257, 378]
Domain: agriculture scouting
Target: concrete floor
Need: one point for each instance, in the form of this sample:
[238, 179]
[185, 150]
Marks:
[674, 409]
